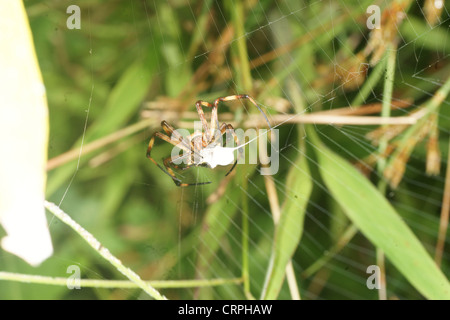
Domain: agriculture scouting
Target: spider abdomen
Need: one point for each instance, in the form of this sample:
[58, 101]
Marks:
[217, 156]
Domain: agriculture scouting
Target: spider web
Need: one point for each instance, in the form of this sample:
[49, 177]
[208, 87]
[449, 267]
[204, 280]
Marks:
[418, 198]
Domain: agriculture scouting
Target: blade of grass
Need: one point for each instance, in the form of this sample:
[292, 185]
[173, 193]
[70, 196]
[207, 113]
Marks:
[299, 106]
[242, 68]
[105, 253]
[276, 213]
[379, 222]
[443, 222]
[343, 240]
[289, 230]
[245, 239]
[178, 74]
[386, 108]
[370, 83]
[391, 56]
[200, 26]
[418, 31]
[125, 284]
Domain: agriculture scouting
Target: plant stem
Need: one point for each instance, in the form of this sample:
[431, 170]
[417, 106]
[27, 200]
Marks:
[97, 144]
[105, 253]
[125, 284]
[443, 223]
[343, 240]
[370, 83]
[244, 65]
[391, 56]
[245, 239]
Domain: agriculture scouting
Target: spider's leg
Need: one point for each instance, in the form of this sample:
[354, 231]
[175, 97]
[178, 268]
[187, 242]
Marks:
[230, 127]
[238, 145]
[194, 141]
[176, 143]
[222, 130]
[192, 184]
[196, 146]
[167, 139]
[201, 115]
[241, 97]
[173, 134]
[168, 162]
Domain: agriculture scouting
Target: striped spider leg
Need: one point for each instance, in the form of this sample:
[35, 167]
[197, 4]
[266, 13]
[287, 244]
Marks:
[201, 149]
[177, 140]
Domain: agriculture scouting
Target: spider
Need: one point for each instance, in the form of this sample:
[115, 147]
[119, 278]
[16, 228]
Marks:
[202, 148]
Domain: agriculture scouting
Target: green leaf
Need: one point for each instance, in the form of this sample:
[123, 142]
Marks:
[380, 223]
[417, 30]
[125, 98]
[122, 104]
[290, 227]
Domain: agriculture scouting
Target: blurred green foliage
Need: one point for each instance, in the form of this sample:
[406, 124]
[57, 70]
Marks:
[127, 53]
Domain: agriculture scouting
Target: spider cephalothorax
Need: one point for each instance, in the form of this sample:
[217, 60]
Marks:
[200, 148]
